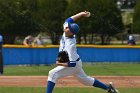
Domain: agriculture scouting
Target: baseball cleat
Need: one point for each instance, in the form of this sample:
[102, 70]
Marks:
[112, 88]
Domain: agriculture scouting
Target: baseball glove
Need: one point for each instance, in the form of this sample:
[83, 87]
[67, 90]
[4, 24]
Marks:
[63, 57]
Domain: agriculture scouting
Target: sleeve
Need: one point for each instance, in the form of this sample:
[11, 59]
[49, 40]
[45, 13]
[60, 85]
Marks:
[70, 20]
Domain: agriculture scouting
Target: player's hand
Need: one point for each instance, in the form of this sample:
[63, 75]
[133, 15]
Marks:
[86, 14]
[58, 63]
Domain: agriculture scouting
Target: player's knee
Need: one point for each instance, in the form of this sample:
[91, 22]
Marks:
[51, 72]
[53, 76]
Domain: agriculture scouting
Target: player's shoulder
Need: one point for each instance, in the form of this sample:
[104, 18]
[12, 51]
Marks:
[70, 20]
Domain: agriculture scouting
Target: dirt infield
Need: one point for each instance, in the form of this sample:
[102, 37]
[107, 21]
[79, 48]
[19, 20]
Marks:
[40, 81]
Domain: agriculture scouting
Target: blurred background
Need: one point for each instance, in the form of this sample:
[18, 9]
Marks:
[115, 20]
[103, 41]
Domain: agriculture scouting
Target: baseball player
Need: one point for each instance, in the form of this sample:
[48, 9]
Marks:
[28, 41]
[38, 40]
[131, 40]
[68, 61]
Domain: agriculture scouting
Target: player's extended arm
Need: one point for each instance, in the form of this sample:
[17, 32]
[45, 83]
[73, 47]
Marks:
[79, 15]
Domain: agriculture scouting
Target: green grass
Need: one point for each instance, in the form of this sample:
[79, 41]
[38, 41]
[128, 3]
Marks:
[62, 90]
[100, 69]
[115, 69]
[27, 70]
[22, 90]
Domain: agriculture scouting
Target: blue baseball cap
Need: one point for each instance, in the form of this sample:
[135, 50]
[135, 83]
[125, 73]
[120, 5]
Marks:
[74, 28]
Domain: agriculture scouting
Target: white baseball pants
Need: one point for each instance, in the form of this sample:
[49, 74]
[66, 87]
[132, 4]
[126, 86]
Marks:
[77, 71]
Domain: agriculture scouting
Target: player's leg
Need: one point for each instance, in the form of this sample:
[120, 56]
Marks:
[57, 73]
[89, 81]
[50, 86]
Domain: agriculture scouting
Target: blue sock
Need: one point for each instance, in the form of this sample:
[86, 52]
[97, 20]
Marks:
[100, 85]
[50, 87]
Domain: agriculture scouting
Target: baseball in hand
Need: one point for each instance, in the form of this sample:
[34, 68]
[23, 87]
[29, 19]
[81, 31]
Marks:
[110, 83]
[88, 14]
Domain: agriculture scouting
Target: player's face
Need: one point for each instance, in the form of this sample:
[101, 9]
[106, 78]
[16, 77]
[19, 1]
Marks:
[67, 31]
